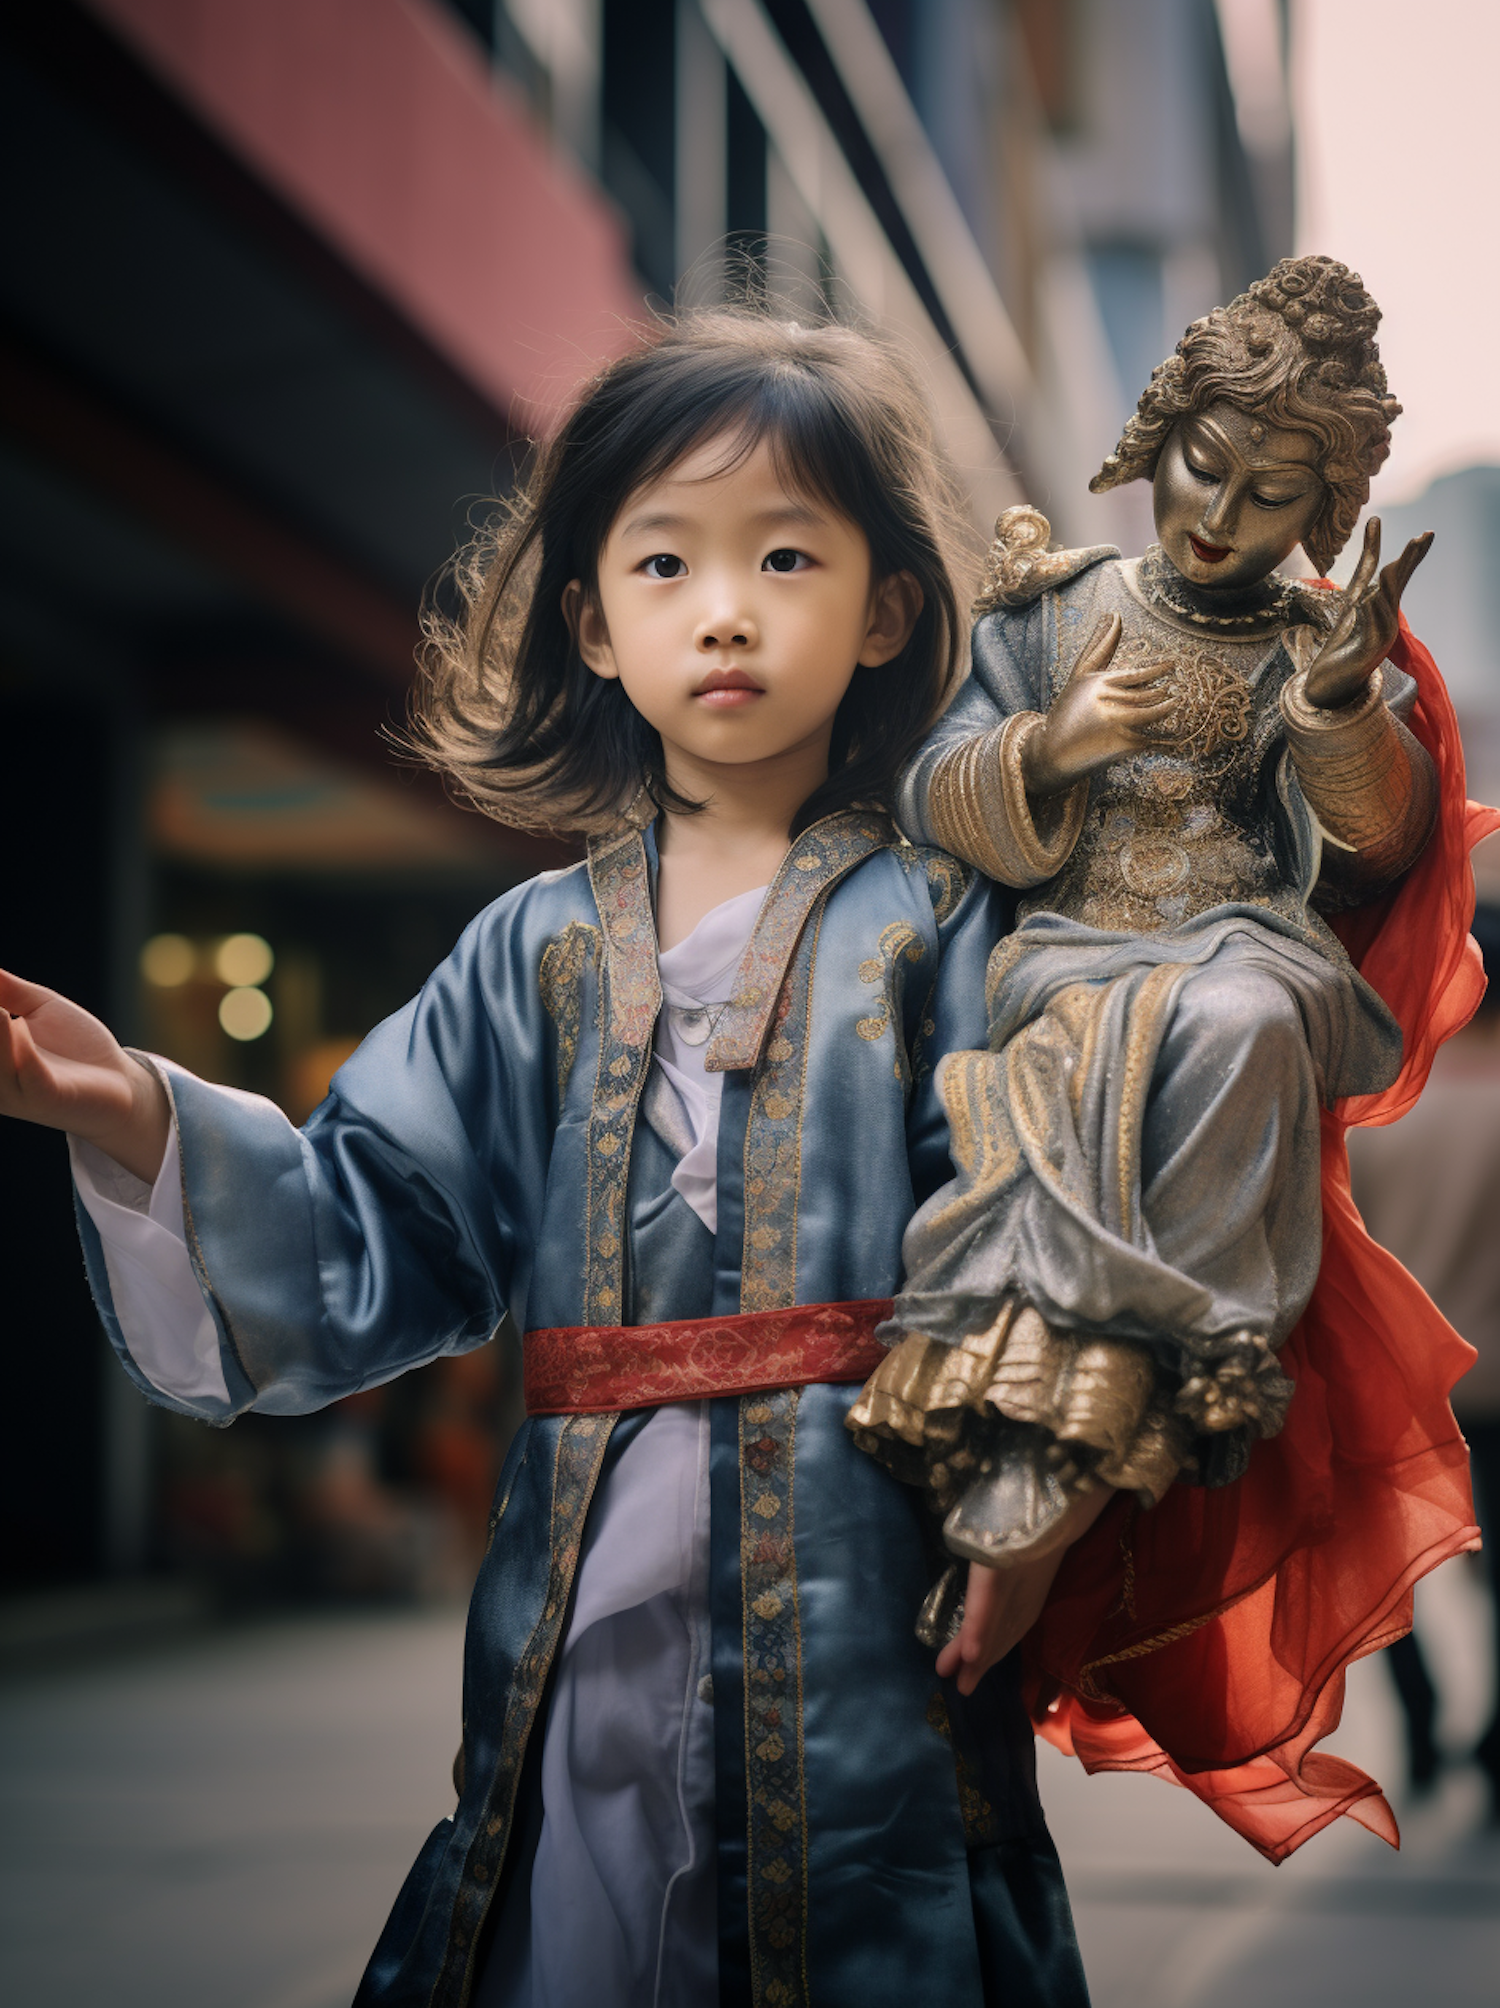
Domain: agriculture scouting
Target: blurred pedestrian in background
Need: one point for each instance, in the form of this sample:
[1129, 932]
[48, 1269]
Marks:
[1429, 1190]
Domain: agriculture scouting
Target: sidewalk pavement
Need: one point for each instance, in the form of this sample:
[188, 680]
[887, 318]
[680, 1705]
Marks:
[223, 1824]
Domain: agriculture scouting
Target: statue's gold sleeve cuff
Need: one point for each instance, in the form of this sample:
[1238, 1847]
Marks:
[1098, 1398]
[1370, 784]
[979, 809]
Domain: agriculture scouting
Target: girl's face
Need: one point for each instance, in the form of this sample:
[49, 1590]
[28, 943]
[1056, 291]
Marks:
[736, 613]
[1234, 498]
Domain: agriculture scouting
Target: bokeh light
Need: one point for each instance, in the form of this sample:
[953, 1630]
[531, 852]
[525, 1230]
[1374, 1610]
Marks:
[243, 959]
[168, 960]
[245, 1013]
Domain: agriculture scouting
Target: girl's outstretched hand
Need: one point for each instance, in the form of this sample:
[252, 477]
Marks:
[1001, 1605]
[63, 1069]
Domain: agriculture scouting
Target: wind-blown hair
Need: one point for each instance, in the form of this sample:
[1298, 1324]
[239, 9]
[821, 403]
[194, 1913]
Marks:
[1297, 351]
[505, 706]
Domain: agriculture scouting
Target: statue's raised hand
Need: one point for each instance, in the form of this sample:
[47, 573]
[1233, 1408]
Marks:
[1367, 622]
[63, 1069]
[1099, 716]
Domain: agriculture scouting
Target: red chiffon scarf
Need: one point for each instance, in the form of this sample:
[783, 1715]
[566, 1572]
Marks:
[1207, 1640]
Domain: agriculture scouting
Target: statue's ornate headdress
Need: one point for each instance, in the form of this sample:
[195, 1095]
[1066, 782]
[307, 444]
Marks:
[1298, 350]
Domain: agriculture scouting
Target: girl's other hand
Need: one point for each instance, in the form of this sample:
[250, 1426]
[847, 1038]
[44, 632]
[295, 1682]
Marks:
[1001, 1605]
[1097, 717]
[60, 1067]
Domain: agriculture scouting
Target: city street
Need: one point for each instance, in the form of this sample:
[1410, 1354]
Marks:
[223, 1825]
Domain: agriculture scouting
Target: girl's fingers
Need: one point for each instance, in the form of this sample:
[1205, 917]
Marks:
[17, 1061]
[16, 994]
[29, 1070]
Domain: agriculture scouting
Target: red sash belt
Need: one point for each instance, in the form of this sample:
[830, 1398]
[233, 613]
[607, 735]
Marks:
[590, 1369]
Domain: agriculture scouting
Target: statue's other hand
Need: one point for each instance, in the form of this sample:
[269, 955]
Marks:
[1100, 715]
[1367, 623]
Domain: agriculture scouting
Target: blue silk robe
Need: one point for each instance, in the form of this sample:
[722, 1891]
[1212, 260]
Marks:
[879, 1839]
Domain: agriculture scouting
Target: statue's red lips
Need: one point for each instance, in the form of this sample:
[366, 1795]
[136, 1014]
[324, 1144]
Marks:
[1209, 554]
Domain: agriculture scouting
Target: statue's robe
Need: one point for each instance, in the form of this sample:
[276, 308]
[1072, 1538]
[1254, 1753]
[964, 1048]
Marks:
[879, 1839]
[1151, 1147]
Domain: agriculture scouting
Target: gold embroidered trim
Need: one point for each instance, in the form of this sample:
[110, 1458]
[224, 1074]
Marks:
[560, 981]
[630, 997]
[981, 1827]
[979, 808]
[775, 1779]
[901, 948]
[581, 1445]
[819, 858]
[773, 1145]
[1089, 1687]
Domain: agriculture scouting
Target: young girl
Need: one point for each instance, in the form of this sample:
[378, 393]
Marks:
[671, 1108]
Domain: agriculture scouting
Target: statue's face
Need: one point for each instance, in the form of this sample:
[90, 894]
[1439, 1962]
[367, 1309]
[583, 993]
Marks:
[1234, 497]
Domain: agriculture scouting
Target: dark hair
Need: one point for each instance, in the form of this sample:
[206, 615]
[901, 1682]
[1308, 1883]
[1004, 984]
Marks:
[505, 706]
[1297, 350]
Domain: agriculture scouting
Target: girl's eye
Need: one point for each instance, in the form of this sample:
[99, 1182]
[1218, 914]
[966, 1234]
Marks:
[664, 566]
[784, 561]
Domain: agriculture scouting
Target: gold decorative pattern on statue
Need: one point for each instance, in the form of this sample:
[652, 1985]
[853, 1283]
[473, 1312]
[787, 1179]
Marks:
[1211, 698]
[980, 810]
[1019, 567]
[1101, 1398]
[1367, 780]
[1238, 1385]
[1143, 1041]
[1157, 848]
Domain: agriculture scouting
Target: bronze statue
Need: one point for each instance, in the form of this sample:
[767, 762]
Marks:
[1183, 763]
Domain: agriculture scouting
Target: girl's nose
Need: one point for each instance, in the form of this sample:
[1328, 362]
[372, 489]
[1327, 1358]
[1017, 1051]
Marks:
[737, 631]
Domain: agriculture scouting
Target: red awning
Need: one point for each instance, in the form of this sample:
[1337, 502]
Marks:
[383, 125]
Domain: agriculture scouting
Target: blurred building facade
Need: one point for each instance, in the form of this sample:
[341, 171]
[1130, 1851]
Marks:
[290, 284]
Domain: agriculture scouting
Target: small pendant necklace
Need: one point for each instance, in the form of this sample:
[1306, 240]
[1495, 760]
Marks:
[695, 1024]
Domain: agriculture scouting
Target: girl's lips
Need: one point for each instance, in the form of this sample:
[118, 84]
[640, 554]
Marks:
[1209, 554]
[730, 696]
[728, 689]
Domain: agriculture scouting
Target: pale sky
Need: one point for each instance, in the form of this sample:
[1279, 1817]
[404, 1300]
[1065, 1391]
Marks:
[1398, 123]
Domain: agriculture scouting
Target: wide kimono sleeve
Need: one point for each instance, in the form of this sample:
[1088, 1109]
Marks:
[965, 788]
[399, 1224]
